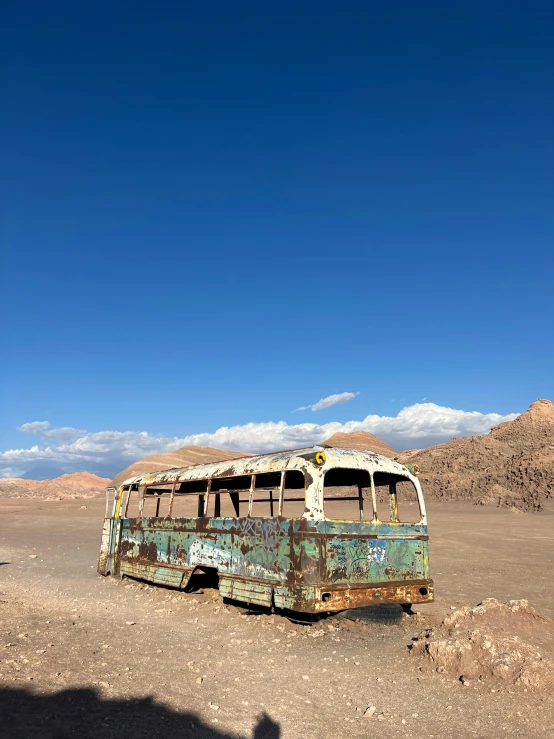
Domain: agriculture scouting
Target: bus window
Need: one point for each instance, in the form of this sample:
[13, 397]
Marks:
[132, 502]
[294, 494]
[408, 504]
[189, 500]
[229, 496]
[156, 501]
[347, 494]
[265, 495]
[396, 498]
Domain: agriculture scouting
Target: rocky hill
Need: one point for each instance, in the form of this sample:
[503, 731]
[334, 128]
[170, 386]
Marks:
[360, 440]
[75, 485]
[186, 456]
[513, 465]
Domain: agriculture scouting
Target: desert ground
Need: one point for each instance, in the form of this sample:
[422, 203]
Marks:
[87, 656]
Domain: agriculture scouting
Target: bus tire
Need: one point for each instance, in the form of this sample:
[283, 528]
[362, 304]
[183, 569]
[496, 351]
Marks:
[385, 613]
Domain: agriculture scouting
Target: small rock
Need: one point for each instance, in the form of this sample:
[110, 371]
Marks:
[33, 556]
[213, 706]
[305, 677]
[369, 712]
[130, 623]
[199, 680]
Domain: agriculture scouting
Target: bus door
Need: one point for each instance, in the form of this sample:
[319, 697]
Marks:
[111, 531]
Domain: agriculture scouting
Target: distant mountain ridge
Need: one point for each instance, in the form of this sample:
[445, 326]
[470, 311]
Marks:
[74, 485]
[43, 472]
[186, 456]
[362, 440]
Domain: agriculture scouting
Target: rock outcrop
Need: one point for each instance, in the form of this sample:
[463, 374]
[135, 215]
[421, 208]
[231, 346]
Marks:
[511, 466]
[508, 642]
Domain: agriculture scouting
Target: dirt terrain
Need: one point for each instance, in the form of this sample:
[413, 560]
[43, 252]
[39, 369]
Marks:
[509, 641]
[512, 466]
[86, 656]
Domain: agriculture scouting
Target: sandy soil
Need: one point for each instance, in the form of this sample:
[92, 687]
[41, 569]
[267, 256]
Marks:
[86, 656]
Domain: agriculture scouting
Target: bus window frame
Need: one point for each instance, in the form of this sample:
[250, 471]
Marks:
[202, 498]
[292, 500]
[360, 498]
[276, 502]
[393, 500]
[272, 501]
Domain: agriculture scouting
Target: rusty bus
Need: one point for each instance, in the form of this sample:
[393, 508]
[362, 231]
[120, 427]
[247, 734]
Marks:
[309, 530]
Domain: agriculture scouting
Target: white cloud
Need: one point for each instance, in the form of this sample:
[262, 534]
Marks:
[328, 402]
[417, 425]
[44, 431]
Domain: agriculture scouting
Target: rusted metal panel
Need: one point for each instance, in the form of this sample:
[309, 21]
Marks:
[354, 597]
[246, 591]
[170, 576]
[356, 559]
[331, 598]
[241, 547]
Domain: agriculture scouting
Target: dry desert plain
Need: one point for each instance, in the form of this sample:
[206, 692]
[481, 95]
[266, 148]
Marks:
[87, 656]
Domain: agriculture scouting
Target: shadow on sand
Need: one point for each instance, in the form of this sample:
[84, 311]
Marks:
[84, 714]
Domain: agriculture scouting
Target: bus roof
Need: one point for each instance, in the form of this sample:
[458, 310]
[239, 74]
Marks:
[294, 459]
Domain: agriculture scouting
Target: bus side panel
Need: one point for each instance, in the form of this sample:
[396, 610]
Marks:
[375, 553]
[147, 551]
[305, 556]
[242, 550]
[256, 558]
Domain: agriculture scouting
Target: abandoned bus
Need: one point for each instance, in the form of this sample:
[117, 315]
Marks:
[310, 530]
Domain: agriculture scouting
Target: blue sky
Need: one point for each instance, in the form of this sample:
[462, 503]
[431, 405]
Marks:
[214, 215]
